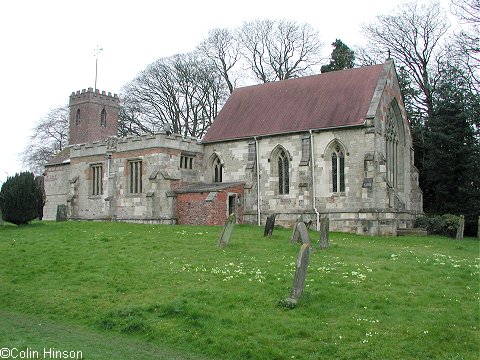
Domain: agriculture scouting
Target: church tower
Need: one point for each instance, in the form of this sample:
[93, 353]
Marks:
[93, 116]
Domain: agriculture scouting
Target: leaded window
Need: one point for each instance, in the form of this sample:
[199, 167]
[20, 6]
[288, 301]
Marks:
[283, 173]
[135, 179]
[391, 143]
[186, 162]
[97, 179]
[217, 170]
[338, 170]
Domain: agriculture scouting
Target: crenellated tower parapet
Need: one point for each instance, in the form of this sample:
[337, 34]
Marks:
[93, 116]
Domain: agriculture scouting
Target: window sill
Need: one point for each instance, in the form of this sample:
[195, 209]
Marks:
[339, 194]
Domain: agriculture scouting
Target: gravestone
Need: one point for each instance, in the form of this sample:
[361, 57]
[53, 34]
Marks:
[61, 212]
[301, 266]
[1, 217]
[301, 234]
[461, 228]
[227, 231]
[269, 224]
[324, 232]
[295, 234]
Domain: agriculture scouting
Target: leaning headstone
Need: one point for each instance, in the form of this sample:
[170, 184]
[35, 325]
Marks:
[295, 234]
[324, 233]
[302, 230]
[227, 231]
[301, 234]
[1, 218]
[61, 212]
[461, 228]
[269, 224]
[303, 258]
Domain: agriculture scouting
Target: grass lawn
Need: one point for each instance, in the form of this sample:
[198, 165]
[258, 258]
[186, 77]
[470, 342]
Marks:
[124, 291]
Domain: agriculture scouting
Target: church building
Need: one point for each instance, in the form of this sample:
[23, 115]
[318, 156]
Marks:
[336, 144]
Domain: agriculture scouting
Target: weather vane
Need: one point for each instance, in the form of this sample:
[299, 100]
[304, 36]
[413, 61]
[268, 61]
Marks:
[97, 51]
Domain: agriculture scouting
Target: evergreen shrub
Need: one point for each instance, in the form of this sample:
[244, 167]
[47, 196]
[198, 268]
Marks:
[445, 225]
[20, 198]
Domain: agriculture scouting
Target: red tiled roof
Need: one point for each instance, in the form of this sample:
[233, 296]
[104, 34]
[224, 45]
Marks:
[61, 158]
[334, 99]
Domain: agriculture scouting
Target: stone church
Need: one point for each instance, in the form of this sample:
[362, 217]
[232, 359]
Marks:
[336, 144]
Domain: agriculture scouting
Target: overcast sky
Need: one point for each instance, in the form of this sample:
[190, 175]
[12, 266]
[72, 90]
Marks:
[47, 46]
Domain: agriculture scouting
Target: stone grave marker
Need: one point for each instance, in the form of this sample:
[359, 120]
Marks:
[301, 266]
[269, 224]
[461, 228]
[61, 212]
[227, 231]
[301, 234]
[324, 232]
[295, 234]
[1, 218]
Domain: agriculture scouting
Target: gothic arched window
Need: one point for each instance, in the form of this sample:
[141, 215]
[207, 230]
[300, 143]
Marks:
[77, 117]
[338, 169]
[391, 143]
[217, 168]
[103, 118]
[283, 173]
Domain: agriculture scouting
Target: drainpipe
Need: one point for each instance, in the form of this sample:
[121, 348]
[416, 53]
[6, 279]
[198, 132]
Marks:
[314, 191]
[258, 180]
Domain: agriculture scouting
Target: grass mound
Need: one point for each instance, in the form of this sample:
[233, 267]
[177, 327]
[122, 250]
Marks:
[171, 288]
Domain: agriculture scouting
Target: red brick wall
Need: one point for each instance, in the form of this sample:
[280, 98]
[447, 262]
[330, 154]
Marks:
[91, 104]
[192, 208]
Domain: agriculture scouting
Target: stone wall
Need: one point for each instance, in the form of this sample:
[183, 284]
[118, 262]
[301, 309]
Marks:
[160, 156]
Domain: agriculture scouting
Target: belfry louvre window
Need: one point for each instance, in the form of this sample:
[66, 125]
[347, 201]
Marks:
[283, 173]
[338, 170]
[103, 118]
[97, 179]
[135, 179]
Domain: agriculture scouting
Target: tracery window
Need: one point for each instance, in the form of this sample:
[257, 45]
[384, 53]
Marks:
[338, 169]
[391, 151]
[217, 170]
[283, 173]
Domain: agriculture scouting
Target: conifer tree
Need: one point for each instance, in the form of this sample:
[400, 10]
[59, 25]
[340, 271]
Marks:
[20, 198]
[452, 161]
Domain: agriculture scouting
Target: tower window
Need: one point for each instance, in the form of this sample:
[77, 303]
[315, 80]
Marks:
[77, 117]
[103, 118]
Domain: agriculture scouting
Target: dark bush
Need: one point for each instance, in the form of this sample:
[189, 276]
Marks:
[21, 197]
[445, 225]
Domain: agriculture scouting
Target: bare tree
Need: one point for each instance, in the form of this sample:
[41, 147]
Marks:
[180, 94]
[49, 136]
[412, 36]
[466, 44]
[222, 48]
[467, 10]
[278, 50]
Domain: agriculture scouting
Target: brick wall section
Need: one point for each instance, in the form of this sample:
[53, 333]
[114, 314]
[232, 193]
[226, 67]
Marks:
[193, 207]
[91, 103]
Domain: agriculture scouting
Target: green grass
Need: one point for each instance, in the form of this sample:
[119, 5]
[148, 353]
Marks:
[115, 290]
